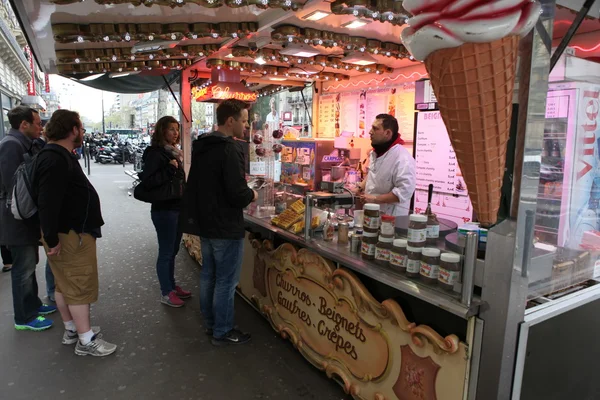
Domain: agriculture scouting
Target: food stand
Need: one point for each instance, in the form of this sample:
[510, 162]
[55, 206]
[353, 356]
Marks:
[381, 334]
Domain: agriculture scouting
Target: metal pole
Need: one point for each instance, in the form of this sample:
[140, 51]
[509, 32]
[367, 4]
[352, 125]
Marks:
[308, 217]
[88, 159]
[103, 127]
[468, 277]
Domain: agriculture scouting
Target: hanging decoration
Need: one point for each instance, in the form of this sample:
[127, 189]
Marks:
[293, 5]
[390, 11]
[80, 33]
[272, 70]
[124, 54]
[273, 55]
[315, 37]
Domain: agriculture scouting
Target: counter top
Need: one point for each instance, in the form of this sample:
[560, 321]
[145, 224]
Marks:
[353, 261]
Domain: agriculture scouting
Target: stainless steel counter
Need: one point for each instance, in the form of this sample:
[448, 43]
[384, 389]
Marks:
[353, 261]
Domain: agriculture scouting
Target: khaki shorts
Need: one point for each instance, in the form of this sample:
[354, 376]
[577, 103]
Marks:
[76, 268]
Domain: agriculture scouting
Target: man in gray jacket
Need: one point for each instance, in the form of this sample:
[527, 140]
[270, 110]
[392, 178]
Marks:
[21, 237]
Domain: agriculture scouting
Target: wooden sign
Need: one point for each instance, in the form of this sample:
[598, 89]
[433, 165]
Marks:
[337, 325]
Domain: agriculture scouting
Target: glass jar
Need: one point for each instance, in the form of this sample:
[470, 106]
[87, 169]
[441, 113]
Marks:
[433, 230]
[371, 220]
[417, 230]
[368, 245]
[383, 250]
[450, 269]
[398, 255]
[413, 261]
[430, 265]
[343, 232]
[388, 226]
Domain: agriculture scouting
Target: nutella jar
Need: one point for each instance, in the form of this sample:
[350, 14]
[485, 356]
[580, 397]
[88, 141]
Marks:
[450, 269]
[430, 265]
[398, 255]
[433, 230]
[413, 261]
[388, 226]
[383, 250]
[368, 245]
[417, 230]
[371, 220]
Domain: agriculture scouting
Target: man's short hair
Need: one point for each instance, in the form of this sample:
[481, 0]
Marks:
[230, 108]
[20, 114]
[61, 124]
[389, 122]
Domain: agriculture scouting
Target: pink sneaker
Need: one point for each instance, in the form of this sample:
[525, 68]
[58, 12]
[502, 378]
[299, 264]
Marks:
[182, 294]
[172, 300]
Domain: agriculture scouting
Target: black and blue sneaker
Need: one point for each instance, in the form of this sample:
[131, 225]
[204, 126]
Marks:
[37, 324]
[46, 309]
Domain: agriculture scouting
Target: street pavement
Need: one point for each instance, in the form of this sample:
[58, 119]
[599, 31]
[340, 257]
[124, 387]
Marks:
[163, 352]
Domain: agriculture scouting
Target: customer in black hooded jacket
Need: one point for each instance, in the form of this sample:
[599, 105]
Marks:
[163, 162]
[216, 195]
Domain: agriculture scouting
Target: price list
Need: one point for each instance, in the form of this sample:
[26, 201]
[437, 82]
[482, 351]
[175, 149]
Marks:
[327, 104]
[435, 158]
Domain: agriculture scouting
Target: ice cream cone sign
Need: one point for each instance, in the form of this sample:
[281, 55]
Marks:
[469, 48]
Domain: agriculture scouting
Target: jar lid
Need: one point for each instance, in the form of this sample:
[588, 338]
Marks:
[400, 243]
[388, 218]
[450, 257]
[386, 239]
[370, 234]
[418, 218]
[343, 223]
[468, 228]
[413, 249]
[431, 252]
[372, 207]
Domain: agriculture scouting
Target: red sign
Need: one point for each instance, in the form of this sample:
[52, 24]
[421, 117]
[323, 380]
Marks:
[222, 93]
[47, 83]
[31, 84]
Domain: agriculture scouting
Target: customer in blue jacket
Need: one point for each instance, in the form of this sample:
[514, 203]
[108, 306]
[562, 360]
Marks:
[215, 197]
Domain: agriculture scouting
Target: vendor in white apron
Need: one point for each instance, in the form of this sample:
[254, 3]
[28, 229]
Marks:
[391, 173]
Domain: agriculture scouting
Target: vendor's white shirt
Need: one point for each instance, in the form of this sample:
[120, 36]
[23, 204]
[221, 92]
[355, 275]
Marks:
[273, 120]
[393, 172]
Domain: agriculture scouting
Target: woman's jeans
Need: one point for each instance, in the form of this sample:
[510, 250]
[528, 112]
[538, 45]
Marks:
[169, 238]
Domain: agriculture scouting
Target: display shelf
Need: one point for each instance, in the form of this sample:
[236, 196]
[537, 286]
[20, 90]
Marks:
[353, 261]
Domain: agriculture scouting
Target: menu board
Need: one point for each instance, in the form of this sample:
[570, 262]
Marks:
[327, 104]
[376, 103]
[435, 158]
[349, 104]
[405, 111]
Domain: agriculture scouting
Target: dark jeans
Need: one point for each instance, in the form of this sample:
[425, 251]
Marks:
[219, 276]
[24, 285]
[6, 256]
[50, 285]
[169, 239]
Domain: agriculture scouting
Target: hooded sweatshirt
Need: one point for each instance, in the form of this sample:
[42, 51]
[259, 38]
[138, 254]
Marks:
[217, 191]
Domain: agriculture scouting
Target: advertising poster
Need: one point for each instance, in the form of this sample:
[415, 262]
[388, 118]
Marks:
[327, 103]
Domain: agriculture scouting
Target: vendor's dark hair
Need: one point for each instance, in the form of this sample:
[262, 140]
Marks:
[61, 124]
[389, 122]
[160, 129]
[230, 108]
[20, 114]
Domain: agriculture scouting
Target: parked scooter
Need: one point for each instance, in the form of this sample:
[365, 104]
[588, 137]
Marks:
[124, 151]
[105, 155]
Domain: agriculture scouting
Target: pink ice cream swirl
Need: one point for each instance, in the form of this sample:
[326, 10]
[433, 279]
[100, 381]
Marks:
[442, 24]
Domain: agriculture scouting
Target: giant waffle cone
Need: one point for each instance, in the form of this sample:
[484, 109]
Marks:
[474, 85]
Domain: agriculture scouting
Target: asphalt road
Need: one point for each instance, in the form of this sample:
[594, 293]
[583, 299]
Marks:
[163, 352]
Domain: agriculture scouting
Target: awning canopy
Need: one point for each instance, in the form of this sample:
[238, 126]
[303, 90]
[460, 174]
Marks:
[141, 83]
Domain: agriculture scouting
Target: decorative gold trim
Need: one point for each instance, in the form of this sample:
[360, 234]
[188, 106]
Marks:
[386, 11]
[79, 33]
[449, 344]
[293, 5]
[284, 33]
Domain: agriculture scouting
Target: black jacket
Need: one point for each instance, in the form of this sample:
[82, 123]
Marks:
[66, 198]
[14, 232]
[159, 171]
[217, 191]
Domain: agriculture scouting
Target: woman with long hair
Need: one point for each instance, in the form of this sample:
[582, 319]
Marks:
[162, 164]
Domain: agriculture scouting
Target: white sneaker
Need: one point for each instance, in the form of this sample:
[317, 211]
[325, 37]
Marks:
[96, 347]
[70, 337]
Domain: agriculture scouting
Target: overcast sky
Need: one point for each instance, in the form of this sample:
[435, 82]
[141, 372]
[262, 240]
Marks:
[83, 99]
